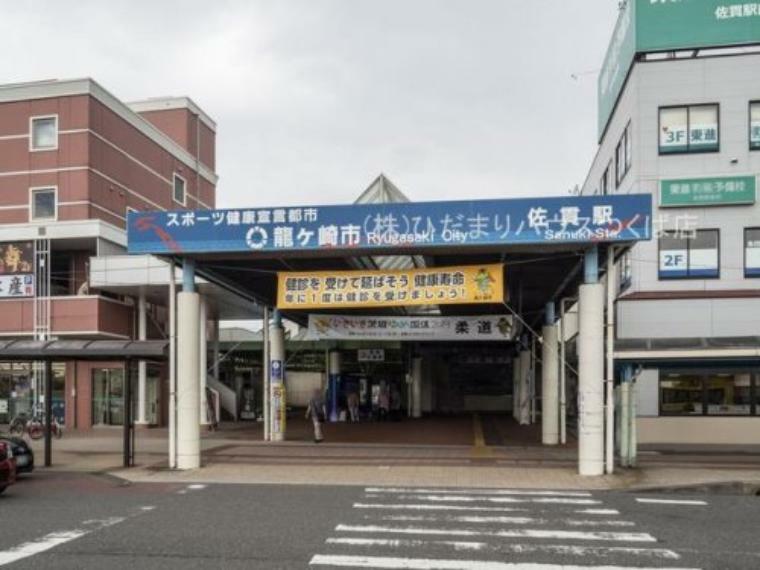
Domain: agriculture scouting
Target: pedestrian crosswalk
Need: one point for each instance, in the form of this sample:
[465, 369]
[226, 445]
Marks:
[490, 529]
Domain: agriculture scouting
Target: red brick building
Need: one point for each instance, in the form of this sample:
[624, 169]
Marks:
[74, 160]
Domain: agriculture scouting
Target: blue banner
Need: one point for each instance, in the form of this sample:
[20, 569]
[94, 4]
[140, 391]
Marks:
[394, 226]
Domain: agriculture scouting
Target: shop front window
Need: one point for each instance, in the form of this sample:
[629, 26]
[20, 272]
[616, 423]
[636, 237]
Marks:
[21, 382]
[729, 394]
[711, 393]
[681, 395]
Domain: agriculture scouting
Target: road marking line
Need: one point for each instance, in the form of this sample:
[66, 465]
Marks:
[518, 492]
[510, 533]
[52, 540]
[671, 502]
[433, 564]
[419, 507]
[470, 499]
[196, 487]
[499, 520]
[513, 548]
[479, 448]
[598, 511]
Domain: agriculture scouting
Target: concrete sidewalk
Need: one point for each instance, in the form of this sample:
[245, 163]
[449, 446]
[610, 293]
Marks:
[232, 456]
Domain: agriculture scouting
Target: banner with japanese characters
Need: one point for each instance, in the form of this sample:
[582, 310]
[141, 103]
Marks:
[16, 269]
[474, 284]
[422, 328]
[397, 227]
[720, 191]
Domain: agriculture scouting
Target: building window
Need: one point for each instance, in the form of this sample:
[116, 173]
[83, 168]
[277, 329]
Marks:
[681, 395]
[44, 133]
[752, 252]
[623, 156]
[729, 394]
[695, 256]
[108, 396]
[694, 128]
[625, 272]
[754, 125]
[709, 393]
[604, 183]
[43, 204]
[179, 189]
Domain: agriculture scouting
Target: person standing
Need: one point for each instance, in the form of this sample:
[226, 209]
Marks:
[383, 403]
[395, 403]
[317, 412]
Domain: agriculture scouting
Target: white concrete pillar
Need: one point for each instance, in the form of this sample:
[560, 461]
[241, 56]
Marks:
[417, 387]
[277, 380]
[550, 386]
[523, 415]
[591, 379]
[188, 381]
[624, 420]
[333, 382]
[142, 366]
[172, 420]
[203, 360]
[633, 444]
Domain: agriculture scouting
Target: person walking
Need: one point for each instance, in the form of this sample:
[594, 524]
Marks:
[353, 406]
[317, 412]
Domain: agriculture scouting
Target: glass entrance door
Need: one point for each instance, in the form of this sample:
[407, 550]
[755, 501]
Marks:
[108, 396]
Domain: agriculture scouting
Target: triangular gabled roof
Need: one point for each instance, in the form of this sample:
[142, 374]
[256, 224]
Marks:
[382, 191]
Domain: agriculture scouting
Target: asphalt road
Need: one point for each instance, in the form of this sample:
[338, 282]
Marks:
[61, 521]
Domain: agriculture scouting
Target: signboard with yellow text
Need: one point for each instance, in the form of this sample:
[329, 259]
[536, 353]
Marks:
[397, 288]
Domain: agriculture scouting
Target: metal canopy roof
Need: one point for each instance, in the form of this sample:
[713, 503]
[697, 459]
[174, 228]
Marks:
[534, 276]
[38, 350]
[239, 249]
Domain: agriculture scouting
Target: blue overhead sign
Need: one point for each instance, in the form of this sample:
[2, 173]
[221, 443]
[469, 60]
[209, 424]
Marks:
[394, 226]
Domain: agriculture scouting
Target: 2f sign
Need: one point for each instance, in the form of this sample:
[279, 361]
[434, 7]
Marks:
[674, 262]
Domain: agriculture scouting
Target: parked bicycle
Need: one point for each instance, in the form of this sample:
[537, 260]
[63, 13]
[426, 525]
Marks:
[34, 426]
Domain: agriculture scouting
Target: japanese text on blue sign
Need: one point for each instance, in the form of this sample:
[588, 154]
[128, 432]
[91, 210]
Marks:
[465, 223]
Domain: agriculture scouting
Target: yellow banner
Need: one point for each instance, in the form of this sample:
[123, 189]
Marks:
[397, 288]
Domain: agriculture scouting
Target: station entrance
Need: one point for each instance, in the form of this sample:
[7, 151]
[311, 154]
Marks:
[458, 380]
[376, 273]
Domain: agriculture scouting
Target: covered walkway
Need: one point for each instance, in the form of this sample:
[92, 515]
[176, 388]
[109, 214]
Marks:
[514, 261]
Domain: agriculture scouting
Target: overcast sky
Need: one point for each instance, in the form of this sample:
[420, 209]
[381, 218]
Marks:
[314, 98]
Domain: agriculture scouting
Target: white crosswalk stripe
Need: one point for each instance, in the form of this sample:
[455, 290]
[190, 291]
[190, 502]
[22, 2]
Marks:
[484, 529]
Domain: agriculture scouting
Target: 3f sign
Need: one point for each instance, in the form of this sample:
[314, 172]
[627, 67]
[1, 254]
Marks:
[676, 136]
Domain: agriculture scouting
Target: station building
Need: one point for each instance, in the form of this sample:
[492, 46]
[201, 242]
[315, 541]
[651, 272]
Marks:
[679, 118]
[74, 160]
